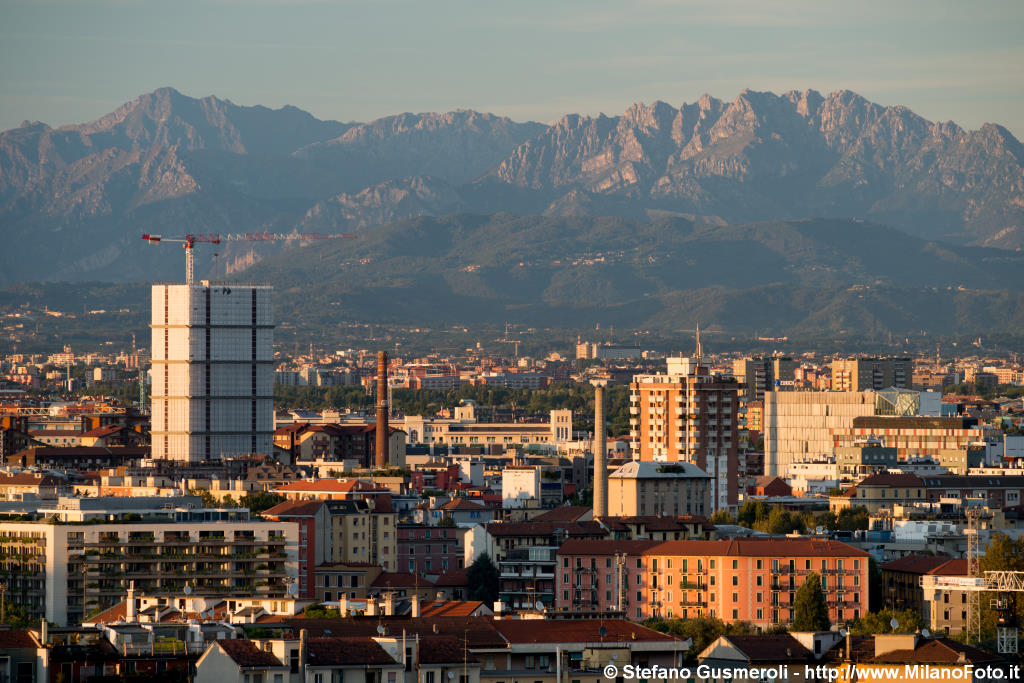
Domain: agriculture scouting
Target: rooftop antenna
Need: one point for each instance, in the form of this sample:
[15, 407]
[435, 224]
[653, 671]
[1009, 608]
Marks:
[700, 350]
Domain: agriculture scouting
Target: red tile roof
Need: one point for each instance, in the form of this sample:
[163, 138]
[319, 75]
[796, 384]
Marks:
[938, 651]
[545, 529]
[564, 513]
[781, 647]
[329, 486]
[244, 653]
[346, 652]
[445, 650]
[16, 638]
[576, 631]
[938, 565]
[602, 546]
[759, 547]
[400, 579]
[294, 508]
[891, 479]
[453, 577]
[451, 608]
[463, 504]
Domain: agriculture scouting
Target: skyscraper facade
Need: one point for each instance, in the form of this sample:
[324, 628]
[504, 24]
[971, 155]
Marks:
[212, 371]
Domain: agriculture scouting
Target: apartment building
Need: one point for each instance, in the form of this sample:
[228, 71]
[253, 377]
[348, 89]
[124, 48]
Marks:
[430, 550]
[62, 569]
[871, 374]
[659, 488]
[752, 580]
[799, 425]
[213, 374]
[465, 430]
[758, 375]
[339, 531]
[957, 443]
[689, 415]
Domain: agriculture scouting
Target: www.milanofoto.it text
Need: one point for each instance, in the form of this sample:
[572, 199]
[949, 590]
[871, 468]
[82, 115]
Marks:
[707, 672]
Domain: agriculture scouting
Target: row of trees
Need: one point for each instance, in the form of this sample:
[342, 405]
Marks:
[774, 519]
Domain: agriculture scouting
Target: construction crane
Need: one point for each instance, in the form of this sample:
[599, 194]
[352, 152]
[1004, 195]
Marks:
[189, 241]
[1005, 584]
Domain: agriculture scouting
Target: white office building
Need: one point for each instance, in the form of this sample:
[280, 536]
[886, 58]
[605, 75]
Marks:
[212, 374]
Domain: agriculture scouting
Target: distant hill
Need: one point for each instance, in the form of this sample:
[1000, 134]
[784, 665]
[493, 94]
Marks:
[817, 276]
[75, 199]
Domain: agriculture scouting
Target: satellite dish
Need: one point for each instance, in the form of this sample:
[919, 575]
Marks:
[539, 605]
[187, 589]
[615, 656]
[843, 632]
[603, 631]
[894, 623]
[451, 675]
[926, 633]
[380, 629]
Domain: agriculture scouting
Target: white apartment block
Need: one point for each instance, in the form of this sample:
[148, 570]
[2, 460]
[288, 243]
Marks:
[64, 572]
[212, 371]
[520, 487]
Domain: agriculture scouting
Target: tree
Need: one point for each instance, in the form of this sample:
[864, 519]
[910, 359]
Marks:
[873, 623]
[208, 500]
[875, 587]
[1002, 554]
[853, 519]
[16, 616]
[810, 610]
[701, 630]
[318, 611]
[482, 577]
[722, 516]
[260, 501]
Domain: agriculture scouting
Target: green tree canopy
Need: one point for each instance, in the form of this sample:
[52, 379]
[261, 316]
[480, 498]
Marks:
[880, 622]
[810, 610]
[482, 577]
[701, 630]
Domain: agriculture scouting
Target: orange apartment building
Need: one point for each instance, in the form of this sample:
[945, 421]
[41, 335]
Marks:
[689, 415]
[751, 580]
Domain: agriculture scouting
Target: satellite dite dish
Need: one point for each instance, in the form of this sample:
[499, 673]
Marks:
[894, 623]
[843, 632]
[187, 589]
[451, 675]
[380, 629]
[539, 605]
[926, 633]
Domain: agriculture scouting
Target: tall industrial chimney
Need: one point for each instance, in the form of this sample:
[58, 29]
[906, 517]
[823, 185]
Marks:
[600, 452]
[381, 459]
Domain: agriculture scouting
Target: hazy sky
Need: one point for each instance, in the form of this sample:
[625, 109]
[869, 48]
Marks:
[73, 61]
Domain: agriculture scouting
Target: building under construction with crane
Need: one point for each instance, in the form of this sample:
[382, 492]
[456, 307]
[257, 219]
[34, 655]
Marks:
[212, 377]
[213, 360]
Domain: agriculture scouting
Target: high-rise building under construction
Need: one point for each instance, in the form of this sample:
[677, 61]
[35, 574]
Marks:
[212, 371]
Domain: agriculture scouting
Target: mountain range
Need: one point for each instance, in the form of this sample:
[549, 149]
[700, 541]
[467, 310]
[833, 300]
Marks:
[74, 199]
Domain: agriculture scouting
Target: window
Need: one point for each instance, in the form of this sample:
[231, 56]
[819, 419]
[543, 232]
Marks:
[735, 597]
[760, 580]
[735, 580]
[607, 563]
[565, 562]
[760, 598]
[735, 564]
[430, 675]
[711, 564]
[317, 678]
[529, 664]
[760, 564]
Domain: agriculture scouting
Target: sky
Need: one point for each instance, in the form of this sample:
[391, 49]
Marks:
[353, 60]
